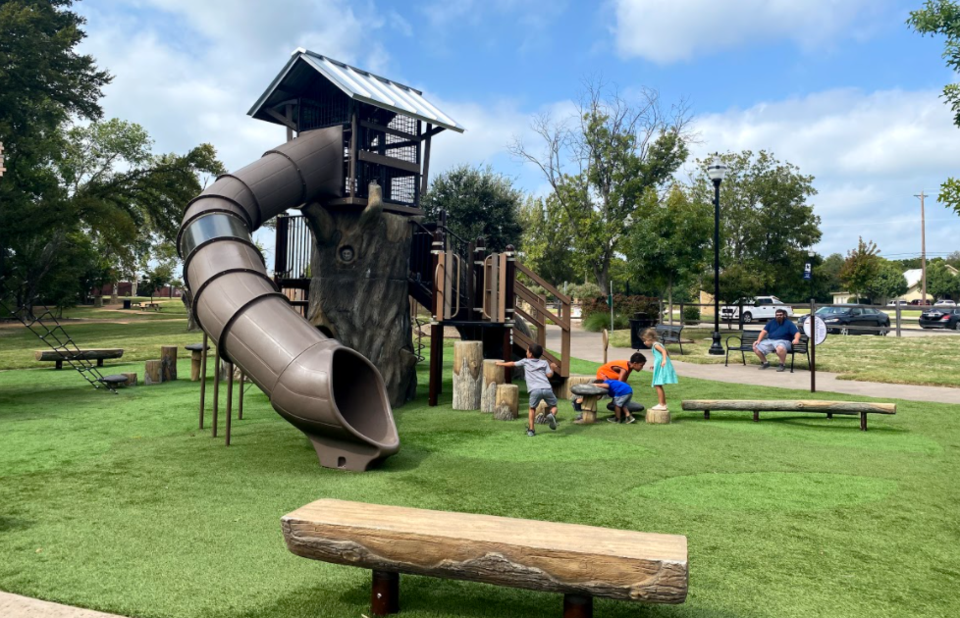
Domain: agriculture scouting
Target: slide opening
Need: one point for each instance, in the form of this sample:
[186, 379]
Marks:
[358, 396]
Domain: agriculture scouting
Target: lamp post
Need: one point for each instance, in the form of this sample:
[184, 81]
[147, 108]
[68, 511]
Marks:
[717, 172]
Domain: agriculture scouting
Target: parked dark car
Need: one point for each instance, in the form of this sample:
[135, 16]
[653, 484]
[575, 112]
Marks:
[852, 320]
[941, 317]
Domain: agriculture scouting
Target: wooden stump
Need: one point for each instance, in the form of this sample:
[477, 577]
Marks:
[493, 376]
[658, 417]
[195, 358]
[507, 403]
[131, 379]
[589, 409]
[467, 375]
[153, 372]
[168, 360]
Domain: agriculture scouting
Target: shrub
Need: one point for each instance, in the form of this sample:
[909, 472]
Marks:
[583, 290]
[691, 315]
[597, 321]
[622, 304]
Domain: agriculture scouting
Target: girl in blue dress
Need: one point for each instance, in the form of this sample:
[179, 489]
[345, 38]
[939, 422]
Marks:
[663, 371]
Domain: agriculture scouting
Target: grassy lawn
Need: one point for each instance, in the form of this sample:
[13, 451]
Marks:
[933, 360]
[119, 503]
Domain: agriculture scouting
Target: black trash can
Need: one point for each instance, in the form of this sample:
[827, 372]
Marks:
[126, 303]
[640, 322]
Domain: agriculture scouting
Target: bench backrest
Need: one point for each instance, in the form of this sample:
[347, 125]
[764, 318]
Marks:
[666, 330]
[802, 346]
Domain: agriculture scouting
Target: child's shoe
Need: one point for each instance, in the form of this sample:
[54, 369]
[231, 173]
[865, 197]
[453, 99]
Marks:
[630, 419]
[531, 433]
[552, 421]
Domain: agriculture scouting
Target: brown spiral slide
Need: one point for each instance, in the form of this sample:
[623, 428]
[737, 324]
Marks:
[326, 390]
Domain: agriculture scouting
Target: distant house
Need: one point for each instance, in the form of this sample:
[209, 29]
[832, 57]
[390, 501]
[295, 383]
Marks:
[914, 279]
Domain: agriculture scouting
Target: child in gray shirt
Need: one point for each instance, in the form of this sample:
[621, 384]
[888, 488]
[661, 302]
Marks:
[537, 372]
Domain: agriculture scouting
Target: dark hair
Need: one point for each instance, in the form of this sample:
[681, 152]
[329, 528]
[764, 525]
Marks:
[637, 357]
[783, 311]
[599, 381]
[536, 349]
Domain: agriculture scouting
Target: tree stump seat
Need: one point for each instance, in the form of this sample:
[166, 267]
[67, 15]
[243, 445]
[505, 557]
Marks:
[580, 562]
[196, 356]
[58, 356]
[850, 408]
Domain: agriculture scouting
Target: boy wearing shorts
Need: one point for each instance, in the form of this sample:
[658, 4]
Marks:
[621, 393]
[537, 373]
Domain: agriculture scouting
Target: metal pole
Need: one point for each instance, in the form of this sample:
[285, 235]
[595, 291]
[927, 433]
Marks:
[813, 340]
[216, 388]
[898, 319]
[715, 348]
[243, 378]
[203, 377]
[229, 401]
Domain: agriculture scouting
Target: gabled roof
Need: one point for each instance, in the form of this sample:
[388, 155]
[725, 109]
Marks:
[359, 85]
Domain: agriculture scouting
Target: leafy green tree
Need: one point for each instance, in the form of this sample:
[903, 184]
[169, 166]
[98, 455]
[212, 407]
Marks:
[546, 243]
[767, 225]
[942, 17]
[826, 277]
[888, 283]
[941, 281]
[601, 164]
[156, 278]
[953, 259]
[669, 245]
[479, 203]
[861, 268]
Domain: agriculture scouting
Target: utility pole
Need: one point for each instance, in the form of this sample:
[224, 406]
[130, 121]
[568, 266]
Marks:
[923, 249]
[2, 169]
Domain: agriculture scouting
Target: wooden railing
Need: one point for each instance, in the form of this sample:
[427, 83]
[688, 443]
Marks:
[540, 314]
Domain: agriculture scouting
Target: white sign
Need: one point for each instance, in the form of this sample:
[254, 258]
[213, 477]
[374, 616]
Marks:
[821, 329]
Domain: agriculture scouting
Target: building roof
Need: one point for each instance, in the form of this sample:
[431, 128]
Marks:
[357, 84]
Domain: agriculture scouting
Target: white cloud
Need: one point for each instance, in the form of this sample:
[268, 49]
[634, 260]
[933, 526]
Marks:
[869, 154]
[675, 30]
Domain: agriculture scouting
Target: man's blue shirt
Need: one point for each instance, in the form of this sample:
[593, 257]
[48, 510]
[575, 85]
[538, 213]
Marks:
[618, 388]
[786, 331]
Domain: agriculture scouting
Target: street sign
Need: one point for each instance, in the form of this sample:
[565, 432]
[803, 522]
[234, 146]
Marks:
[807, 271]
[821, 329]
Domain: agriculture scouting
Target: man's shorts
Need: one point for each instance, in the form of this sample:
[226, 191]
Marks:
[769, 346]
[622, 400]
[543, 394]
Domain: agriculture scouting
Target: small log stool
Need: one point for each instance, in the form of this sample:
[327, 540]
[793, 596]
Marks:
[196, 356]
[153, 372]
[467, 374]
[168, 362]
[493, 376]
[507, 403]
[591, 395]
[658, 417]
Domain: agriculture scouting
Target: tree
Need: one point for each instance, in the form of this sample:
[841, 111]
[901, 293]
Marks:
[479, 203]
[942, 17]
[600, 170]
[156, 278]
[888, 283]
[826, 277]
[767, 226]
[953, 259]
[941, 281]
[546, 243]
[669, 245]
[860, 268]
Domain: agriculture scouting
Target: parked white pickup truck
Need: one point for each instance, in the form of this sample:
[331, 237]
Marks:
[759, 308]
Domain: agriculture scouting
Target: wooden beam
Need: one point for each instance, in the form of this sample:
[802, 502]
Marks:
[563, 298]
[833, 407]
[523, 292]
[353, 152]
[425, 177]
[280, 118]
[400, 164]
[379, 127]
[424, 137]
[525, 342]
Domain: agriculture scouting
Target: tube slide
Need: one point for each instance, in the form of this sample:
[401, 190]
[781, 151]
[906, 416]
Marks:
[326, 390]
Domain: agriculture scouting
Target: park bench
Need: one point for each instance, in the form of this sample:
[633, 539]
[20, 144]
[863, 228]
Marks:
[747, 338]
[154, 306]
[829, 408]
[580, 562]
[97, 354]
[670, 333]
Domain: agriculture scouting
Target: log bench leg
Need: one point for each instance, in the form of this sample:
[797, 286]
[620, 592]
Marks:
[863, 421]
[756, 416]
[706, 415]
[577, 606]
[99, 362]
[829, 414]
[59, 364]
[385, 593]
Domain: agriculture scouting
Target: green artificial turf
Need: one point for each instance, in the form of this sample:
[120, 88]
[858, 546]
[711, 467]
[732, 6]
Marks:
[119, 503]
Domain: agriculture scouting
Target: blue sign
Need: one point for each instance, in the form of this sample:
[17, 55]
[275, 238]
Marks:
[807, 271]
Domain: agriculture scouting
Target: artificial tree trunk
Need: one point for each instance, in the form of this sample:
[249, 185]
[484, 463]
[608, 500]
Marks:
[359, 291]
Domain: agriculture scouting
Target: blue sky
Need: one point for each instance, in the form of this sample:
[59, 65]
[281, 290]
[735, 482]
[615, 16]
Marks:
[841, 88]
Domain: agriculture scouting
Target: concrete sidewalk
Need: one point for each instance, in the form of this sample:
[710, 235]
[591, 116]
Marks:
[589, 346]
[16, 606]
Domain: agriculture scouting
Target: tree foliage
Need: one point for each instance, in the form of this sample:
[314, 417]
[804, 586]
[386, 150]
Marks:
[861, 268]
[941, 281]
[942, 17]
[479, 203]
[546, 243]
[888, 283]
[601, 164]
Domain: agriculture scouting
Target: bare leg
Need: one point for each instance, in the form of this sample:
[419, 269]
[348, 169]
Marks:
[782, 354]
[533, 415]
[661, 395]
[760, 355]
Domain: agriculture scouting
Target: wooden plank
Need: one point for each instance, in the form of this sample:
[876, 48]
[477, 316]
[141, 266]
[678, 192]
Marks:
[400, 164]
[529, 318]
[88, 354]
[546, 556]
[834, 407]
[502, 287]
[425, 178]
[525, 293]
[542, 282]
[379, 127]
[526, 342]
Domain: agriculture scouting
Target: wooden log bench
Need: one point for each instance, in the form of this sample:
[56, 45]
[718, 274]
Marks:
[850, 408]
[97, 354]
[580, 562]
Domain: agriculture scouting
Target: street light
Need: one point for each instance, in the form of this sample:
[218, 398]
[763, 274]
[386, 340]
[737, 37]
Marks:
[717, 172]
[811, 254]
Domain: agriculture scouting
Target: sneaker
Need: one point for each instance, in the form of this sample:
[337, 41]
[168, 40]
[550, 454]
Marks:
[578, 419]
[764, 365]
[630, 419]
[659, 407]
[552, 421]
[613, 419]
[781, 368]
[531, 433]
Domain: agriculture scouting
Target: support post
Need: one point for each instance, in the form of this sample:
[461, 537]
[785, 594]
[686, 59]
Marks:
[203, 377]
[813, 344]
[510, 303]
[863, 421]
[436, 363]
[756, 416]
[243, 378]
[385, 593]
[479, 294]
[898, 320]
[216, 390]
[706, 415]
[577, 606]
[229, 401]
[425, 178]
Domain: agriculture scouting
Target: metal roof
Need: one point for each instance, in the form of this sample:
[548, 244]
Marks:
[362, 86]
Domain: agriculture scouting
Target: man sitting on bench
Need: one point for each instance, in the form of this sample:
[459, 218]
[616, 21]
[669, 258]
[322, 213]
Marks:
[779, 335]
